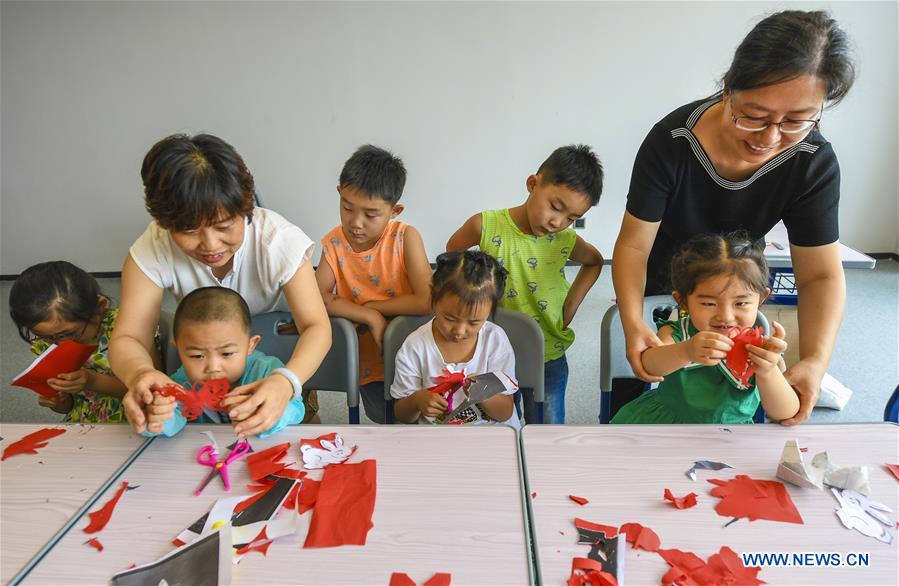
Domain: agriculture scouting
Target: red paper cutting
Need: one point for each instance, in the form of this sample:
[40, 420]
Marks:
[746, 497]
[67, 356]
[31, 443]
[100, 517]
[401, 579]
[587, 571]
[578, 499]
[260, 543]
[206, 394]
[447, 384]
[439, 579]
[344, 507]
[729, 565]
[894, 468]
[723, 568]
[607, 530]
[641, 537]
[684, 502]
[737, 360]
[261, 464]
[307, 497]
[95, 543]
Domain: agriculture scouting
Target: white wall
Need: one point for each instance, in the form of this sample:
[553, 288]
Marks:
[472, 95]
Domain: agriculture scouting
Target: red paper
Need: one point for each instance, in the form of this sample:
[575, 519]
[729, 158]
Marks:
[533, 495]
[206, 394]
[307, 497]
[31, 443]
[439, 579]
[100, 517]
[723, 568]
[401, 579]
[67, 356]
[894, 468]
[587, 571]
[737, 361]
[641, 537]
[607, 530]
[684, 502]
[344, 507]
[578, 499]
[753, 499]
[261, 464]
[95, 543]
[260, 543]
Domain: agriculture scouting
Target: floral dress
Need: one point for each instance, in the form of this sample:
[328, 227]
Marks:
[91, 407]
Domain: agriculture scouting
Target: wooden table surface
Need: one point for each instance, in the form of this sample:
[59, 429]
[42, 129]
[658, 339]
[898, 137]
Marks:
[623, 471]
[434, 512]
[42, 492]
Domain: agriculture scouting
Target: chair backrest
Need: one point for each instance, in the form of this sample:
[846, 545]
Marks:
[891, 411]
[395, 334]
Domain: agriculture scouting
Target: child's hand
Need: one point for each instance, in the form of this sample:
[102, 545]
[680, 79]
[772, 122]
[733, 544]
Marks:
[768, 356]
[61, 403]
[376, 324]
[158, 411]
[430, 404]
[70, 382]
[708, 348]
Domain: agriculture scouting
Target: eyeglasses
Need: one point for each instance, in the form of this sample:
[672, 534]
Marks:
[56, 338]
[750, 124]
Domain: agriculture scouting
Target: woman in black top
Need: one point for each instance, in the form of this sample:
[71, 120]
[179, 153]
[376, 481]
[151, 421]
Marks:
[747, 158]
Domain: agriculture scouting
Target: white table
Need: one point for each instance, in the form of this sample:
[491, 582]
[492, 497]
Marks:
[41, 493]
[779, 258]
[448, 500]
[623, 471]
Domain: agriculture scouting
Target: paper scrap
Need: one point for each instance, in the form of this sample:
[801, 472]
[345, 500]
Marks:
[578, 499]
[344, 507]
[865, 516]
[746, 497]
[100, 517]
[705, 465]
[31, 443]
[684, 502]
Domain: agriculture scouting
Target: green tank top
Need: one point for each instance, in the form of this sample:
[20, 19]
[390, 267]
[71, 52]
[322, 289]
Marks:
[536, 285]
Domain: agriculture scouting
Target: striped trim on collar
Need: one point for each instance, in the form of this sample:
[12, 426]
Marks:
[687, 133]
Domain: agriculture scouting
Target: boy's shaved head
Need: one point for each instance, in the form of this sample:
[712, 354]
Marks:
[209, 304]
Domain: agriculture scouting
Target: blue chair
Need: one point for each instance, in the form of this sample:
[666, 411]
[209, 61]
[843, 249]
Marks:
[613, 363]
[891, 411]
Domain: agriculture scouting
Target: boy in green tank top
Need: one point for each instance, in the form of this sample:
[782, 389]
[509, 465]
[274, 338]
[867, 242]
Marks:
[533, 241]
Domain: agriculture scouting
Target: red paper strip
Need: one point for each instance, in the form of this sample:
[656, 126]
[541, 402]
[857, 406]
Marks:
[67, 356]
[95, 543]
[100, 517]
[261, 464]
[578, 499]
[344, 507]
[753, 499]
[684, 502]
[894, 468]
[260, 543]
[607, 530]
[587, 571]
[439, 579]
[401, 579]
[31, 443]
[641, 537]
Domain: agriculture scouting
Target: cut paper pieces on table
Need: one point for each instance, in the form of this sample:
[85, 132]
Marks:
[578, 499]
[894, 468]
[208, 456]
[864, 515]
[745, 497]
[204, 562]
[67, 356]
[705, 465]
[100, 517]
[343, 510]
[31, 443]
[641, 537]
[723, 568]
[684, 502]
[403, 579]
[737, 367]
[589, 571]
[267, 462]
[324, 450]
[205, 395]
[606, 549]
[820, 471]
[95, 543]
[259, 543]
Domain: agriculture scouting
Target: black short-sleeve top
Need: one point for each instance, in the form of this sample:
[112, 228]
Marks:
[675, 183]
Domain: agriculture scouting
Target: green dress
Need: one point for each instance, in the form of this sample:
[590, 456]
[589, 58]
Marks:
[693, 394]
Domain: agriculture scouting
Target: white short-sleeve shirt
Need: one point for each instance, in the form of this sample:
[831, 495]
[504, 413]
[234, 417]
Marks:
[419, 361]
[272, 251]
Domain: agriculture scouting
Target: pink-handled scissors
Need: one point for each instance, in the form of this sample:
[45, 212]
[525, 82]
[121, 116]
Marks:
[207, 456]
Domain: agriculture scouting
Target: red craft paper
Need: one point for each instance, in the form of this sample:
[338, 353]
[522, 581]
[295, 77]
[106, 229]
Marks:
[753, 499]
[307, 497]
[401, 579]
[100, 517]
[684, 502]
[724, 568]
[31, 443]
[344, 507]
[894, 468]
[533, 495]
[67, 356]
[206, 394]
[737, 360]
[439, 579]
[587, 571]
[260, 543]
[578, 499]
[641, 537]
[261, 464]
[607, 530]
[728, 564]
[95, 543]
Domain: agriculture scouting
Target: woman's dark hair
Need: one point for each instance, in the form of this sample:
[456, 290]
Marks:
[789, 44]
[191, 181]
[711, 255]
[53, 289]
[472, 276]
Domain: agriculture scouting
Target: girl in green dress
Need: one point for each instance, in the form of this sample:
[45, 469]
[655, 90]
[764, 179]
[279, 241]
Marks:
[719, 282]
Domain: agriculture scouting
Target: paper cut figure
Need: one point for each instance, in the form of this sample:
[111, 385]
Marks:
[578, 499]
[324, 450]
[447, 384]
[685, 502]
[705, 465]
[820, 472]
[589, 571]
[606, 547]
[859, 513]
[260, 543]
[343, 510]
[641, 537]
[204, 562]
[737, 365]
[724, 567]
[67, 356]
[202, 395]
[31, 443]
[100, 517]
[745, 497]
